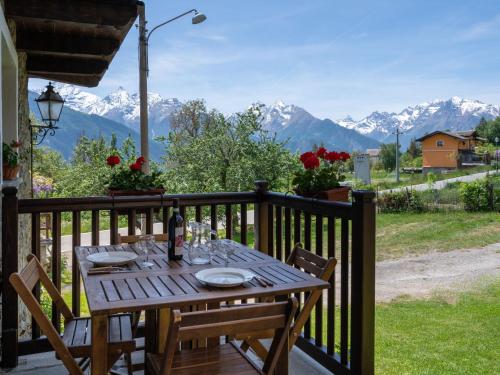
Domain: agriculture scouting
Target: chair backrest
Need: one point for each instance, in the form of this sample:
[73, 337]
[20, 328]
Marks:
[134, 238]
[277, 316]
[318, 266]
[24, 282]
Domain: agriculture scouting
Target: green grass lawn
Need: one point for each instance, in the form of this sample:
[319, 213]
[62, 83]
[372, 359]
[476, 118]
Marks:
[417, 233]
[437, 336]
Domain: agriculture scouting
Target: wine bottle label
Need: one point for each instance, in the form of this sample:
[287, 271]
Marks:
[179, 240]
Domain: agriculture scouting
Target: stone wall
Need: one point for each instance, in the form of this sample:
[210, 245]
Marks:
[24, 135]
[25, 186]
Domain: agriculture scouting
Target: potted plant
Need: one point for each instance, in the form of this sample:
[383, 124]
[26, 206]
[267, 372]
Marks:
[321, 175]
[131, 180]
[10, 157]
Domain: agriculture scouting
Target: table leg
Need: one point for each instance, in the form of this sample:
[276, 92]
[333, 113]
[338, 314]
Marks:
[99, 344]
[151, 335]
[163, 327]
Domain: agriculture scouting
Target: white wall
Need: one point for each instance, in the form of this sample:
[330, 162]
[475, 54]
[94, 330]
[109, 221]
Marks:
[8, 84]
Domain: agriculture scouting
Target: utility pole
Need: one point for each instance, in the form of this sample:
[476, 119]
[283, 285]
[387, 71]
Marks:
[398, 133]
[496, 152]
[144, 36]
[143, 86]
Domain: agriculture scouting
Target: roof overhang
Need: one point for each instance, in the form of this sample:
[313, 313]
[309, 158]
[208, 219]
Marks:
[71, 41]
[453, 135]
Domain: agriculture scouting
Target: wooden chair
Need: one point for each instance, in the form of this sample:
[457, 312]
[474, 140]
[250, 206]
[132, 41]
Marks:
[76, 340]
[227, 358]
[312, 264]
[134, 238]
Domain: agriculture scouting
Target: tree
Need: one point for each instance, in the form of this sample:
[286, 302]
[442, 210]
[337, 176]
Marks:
[224, 153]
[388, 156]
[48, 163]
[414, 149]
[88, 173]
[489, 129]
[188, 120]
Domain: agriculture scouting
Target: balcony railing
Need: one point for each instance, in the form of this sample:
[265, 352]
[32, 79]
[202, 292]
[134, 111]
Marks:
[340, 332]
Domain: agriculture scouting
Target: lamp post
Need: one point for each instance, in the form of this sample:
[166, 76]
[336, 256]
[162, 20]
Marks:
[496, 152]
[50, 105]
[144, 36]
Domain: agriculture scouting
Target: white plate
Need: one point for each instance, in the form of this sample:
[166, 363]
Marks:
[112, 258]
[224, 277]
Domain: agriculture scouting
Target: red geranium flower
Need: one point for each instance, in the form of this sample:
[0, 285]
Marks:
[344, 156]
[321, 152]
[311, 162]
[113, 160]
[135, 167]
[140, 160]
[332, 156]
[306, 155]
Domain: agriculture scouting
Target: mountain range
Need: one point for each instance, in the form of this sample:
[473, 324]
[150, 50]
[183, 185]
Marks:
[118, 113]
[454, 114]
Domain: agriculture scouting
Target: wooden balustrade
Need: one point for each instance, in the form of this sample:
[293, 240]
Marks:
[329, 229]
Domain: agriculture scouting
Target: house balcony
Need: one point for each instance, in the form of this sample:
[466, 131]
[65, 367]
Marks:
[339, 336]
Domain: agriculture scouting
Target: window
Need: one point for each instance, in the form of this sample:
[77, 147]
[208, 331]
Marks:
[439, 143]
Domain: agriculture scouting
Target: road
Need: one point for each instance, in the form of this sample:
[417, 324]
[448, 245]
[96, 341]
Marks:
[442, 183]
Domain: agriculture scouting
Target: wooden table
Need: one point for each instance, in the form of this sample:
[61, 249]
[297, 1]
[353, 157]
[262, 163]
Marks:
[173, 285]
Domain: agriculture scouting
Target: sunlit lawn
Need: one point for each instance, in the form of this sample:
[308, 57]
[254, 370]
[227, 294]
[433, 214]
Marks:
[440, 336]
[447, 334]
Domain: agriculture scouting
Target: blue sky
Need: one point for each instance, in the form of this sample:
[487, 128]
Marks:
[331, 57]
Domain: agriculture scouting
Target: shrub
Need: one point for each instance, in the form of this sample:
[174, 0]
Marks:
[401, 201]
[477, 195]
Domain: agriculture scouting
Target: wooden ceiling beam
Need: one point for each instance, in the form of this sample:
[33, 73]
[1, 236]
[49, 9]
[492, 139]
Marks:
[64, 65]
[88, 80]
[65, 44]
[99, 13]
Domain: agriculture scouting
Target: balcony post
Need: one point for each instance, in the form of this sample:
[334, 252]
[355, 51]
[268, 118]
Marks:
[363, 283]
[10, 222]
[261, 217]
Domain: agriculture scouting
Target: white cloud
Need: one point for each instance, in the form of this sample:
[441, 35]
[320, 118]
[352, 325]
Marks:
[482, 30]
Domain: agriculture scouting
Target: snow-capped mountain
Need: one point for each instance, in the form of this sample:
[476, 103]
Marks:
[454, 114]
[122, 107]
[294, 124]
[302, 130]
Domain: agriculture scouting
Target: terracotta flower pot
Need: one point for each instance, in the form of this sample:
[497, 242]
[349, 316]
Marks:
[116, 193]
[339, 194]
[10, 173]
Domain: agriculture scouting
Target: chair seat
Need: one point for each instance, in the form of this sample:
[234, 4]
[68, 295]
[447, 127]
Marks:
[222, 359]
[78, 335]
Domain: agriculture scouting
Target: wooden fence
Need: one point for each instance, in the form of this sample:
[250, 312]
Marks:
[340, 332]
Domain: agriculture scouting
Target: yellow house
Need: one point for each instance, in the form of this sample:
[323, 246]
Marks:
[443, 150]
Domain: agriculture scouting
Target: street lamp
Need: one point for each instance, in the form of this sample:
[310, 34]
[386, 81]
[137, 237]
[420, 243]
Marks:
[50, 105]
[144, 36]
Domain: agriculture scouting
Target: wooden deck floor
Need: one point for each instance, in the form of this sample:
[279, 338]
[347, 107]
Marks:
[46, 363]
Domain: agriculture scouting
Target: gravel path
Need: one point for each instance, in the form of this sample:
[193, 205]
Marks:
[422, 275]
[442, 183]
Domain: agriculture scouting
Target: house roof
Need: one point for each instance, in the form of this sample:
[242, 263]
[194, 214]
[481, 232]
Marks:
[454, 135]
[373, 151]
[71, 41]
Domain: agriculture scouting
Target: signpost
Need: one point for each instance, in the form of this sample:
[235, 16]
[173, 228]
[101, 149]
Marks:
[362, 168]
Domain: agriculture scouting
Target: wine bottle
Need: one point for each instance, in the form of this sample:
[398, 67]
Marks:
[175, 234]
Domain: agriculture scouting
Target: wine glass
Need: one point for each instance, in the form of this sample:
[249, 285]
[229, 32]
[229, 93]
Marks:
[226, 248]
[146, 242]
